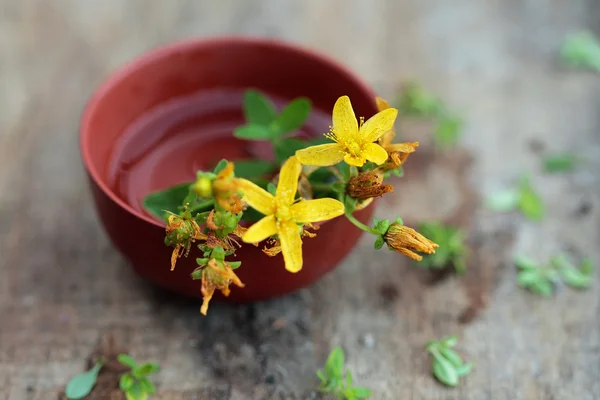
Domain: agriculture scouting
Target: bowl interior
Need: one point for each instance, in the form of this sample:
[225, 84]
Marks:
[187, 68]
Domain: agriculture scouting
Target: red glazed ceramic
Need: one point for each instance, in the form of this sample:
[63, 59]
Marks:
[181, 73]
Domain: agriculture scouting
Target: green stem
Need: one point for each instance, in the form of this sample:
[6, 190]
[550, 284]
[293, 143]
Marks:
[360, 225]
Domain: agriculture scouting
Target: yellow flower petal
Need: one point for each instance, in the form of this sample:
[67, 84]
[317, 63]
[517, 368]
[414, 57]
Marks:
[382, 104]
[375, 153]
[354, 160]
[387, 138]
[257, 197]
[288, 180]
[291, 245]
[345, 125]
[316, 210]
[261, 230]
[402, 147]
[321, 155]
[377, 125]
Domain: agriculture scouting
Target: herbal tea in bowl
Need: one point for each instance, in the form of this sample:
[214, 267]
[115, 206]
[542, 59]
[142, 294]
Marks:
[241, 166]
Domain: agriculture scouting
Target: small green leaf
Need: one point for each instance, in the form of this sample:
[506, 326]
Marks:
[169, 199]
[234, 264]
[503, 201]
[136, 393]
[464, 369]
[554, 163]
[196, 274]
[218, 253]
[530, 202]
[444, 371]
[379, 242]
[581, 49]
[349, 379]
[127, 360]
[449, 341]
[524, 262]
[542, 287]
[252, 132]
[258, 109]
[574, 278]
[451, 356]
[271, 188]
[145, 370]
[126, 382]
[448, 130]
[382, 226]
[361, 392]
[322, 377]
[293, 115]
[220, 166]
[251, 169]
[586, 267]
[335, 363]
[81, 385]
[148, 386]
[527, 277]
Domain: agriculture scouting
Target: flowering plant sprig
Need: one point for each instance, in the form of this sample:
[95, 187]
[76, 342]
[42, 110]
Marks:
[316, 182]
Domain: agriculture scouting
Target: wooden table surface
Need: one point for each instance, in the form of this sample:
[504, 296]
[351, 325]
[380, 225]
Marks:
[62, 284]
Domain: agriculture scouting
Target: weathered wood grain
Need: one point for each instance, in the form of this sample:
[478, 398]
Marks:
[62, 284]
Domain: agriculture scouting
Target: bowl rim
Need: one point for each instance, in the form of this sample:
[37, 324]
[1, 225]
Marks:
[150, 56]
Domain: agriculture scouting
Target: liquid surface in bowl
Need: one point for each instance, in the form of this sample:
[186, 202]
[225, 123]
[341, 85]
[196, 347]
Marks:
[169, 143]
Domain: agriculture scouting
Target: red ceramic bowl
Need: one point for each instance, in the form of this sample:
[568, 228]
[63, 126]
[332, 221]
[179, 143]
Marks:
[183, 69]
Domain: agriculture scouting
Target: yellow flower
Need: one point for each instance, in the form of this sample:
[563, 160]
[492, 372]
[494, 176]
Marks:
[215, 276]
[398, 152]
[353, 143]
[283, 214]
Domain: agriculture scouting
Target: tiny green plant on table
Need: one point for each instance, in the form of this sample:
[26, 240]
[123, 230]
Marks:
[335, 381]
[448, 367]
[318, 180]
[135, 383]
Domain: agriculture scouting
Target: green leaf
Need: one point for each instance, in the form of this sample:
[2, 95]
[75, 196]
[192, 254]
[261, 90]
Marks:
[349, 379]
[81, 385]
[361, 392]
[322, 377]
[574, 278]
[127, 360]
[586, 267]
[560, 163]
[444, 371]
[293, 115]
[448, 130]
[249, 169]
[449, 341]
[542, 287]
[166, 200]
[417, 101]
[527, 277]
[145, 370]
[503, 201]
[258, 109]
[252, 132]
[148, 386]
[524, 262]
[335, 363]
[271, 188]
[382, 226]
[220, 166]
[581, 49]
[531, 204]
[136, 393]
[234, 264]
[451, 356]
[126, 382]
[464, 369]
[344, 171]
[379, 242]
